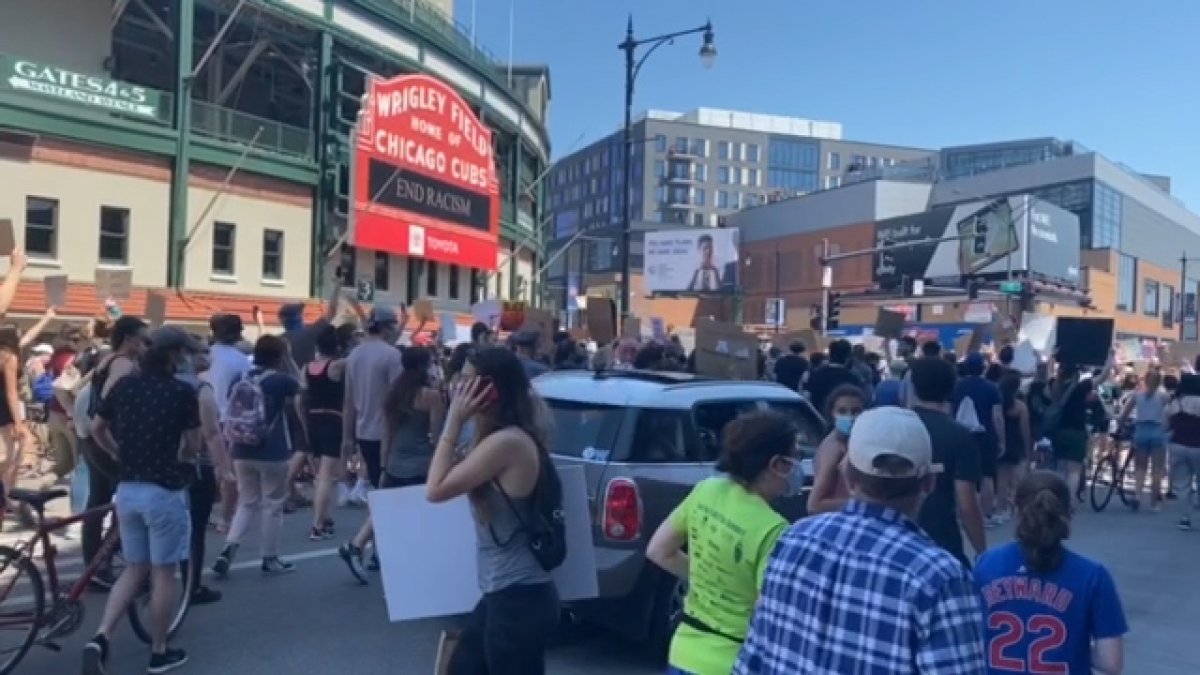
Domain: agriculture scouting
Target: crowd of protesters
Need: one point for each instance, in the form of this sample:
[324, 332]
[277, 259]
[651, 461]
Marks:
[891, 572]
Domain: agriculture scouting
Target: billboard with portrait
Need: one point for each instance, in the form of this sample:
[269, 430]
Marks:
[699, 261]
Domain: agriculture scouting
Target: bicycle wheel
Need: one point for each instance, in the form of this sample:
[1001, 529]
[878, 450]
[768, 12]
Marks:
[21, 607]
[1105, 479]
[1129, 495]
[139, 609]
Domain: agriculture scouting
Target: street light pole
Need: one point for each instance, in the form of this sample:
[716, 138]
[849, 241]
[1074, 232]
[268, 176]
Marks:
[779, 304]
[633, 65]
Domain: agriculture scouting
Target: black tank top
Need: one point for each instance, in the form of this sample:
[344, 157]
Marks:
[324, 393]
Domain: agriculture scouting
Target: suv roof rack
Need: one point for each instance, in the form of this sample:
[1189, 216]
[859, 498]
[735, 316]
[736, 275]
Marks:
[656, 376]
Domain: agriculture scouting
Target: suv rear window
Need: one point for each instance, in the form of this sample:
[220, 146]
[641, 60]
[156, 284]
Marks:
[579, 427]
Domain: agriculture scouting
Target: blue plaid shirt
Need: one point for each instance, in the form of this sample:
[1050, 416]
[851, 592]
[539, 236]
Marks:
[864, 592]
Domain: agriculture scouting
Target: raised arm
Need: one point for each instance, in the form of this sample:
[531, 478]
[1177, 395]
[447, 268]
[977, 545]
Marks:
[18, 261]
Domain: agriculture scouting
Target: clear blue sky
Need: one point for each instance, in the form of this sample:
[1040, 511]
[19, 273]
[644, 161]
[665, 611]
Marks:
[1120, 76]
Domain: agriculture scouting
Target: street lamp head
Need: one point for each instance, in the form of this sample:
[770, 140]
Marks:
[708, 51]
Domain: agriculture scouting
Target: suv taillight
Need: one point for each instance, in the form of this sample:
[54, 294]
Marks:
[622, 510]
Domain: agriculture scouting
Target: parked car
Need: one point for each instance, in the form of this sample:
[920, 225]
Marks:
[644, 439]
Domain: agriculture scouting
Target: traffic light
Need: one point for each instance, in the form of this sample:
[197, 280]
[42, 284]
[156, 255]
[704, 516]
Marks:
[835, 311]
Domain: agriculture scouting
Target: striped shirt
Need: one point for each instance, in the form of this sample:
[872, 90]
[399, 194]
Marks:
[864, 591]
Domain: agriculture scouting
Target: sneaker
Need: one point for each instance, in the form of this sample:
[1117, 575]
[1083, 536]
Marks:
[317, 534]
[373, 561]
[205, 596]
[352, 556]
[95, 654]
[167, 661]
[1185, 523]
[221, 565]
[274, 566]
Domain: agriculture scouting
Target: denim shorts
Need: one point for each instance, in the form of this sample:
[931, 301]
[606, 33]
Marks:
[155, 524]
[1149, 436]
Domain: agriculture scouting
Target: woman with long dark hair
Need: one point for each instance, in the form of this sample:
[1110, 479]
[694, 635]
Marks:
[415, 410]
[1018, 442]
[1183, 422]
[506, 471]
[830, 491]
[324, 397]
[1048, 609]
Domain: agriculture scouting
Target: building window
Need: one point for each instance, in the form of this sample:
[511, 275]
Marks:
[753, 179]
[751, 152]
[41, 227]
[681, 144]
[224, 239]
[431, 278]
[1167, 301]
[1127, 283]
[722, 149]
[660, 194]
[660, 143]
[698, 197]
[723, 199]
[453, 290]
[699, 147]
[272, 260]
[347, 266]
[1150, 291]
[857, 163]
[1108, 212]
[834, 162]
[723, 175]
[697, 220]
[702, 172]
[114, 235]
[660, 169]
[383, 270]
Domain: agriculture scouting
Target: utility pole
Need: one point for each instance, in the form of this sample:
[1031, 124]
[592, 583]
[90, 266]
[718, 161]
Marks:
[826, 285]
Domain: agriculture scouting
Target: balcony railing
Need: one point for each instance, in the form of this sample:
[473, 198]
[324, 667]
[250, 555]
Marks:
[242, 128]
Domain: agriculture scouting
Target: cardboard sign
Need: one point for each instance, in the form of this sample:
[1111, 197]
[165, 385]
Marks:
[56, 290]
[812, 340]
[631, 327]
[1183, 354]
[725, 351]
[1038, 329]
[1004, 330]
[423, 310]
[447, 327]
[442, 580]
[8, 238]
[659, 328]
[487, 312]
[602, 320]
[156, 309]
[115, 284]
[889, 324]
[543, 322]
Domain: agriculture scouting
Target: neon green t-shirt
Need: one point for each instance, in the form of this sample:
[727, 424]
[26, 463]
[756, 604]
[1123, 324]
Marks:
[730, 533]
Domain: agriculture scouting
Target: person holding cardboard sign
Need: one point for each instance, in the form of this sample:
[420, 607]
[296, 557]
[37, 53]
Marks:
[513, 488]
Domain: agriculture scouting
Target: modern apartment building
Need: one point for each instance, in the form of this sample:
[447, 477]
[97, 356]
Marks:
[691, 169]
[1132, 234]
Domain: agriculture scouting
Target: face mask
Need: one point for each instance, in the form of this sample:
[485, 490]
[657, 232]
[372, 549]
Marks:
[843, 424]
[795, 479]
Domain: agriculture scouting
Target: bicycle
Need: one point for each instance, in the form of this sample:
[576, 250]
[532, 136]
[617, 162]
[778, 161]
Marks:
[41, 624]
[1108, 476]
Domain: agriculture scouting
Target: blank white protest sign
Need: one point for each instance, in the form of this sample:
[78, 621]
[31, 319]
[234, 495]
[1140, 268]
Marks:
[427, 551]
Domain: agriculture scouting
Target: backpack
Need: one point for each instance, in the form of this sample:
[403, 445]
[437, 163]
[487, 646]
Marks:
[967, 416]
[547, 528]
[245, 421]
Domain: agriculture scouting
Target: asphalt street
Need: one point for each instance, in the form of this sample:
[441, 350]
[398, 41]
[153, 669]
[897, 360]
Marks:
[318, 621]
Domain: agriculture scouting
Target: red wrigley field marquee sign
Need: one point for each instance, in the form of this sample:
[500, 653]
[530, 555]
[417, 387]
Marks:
[425, 182]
